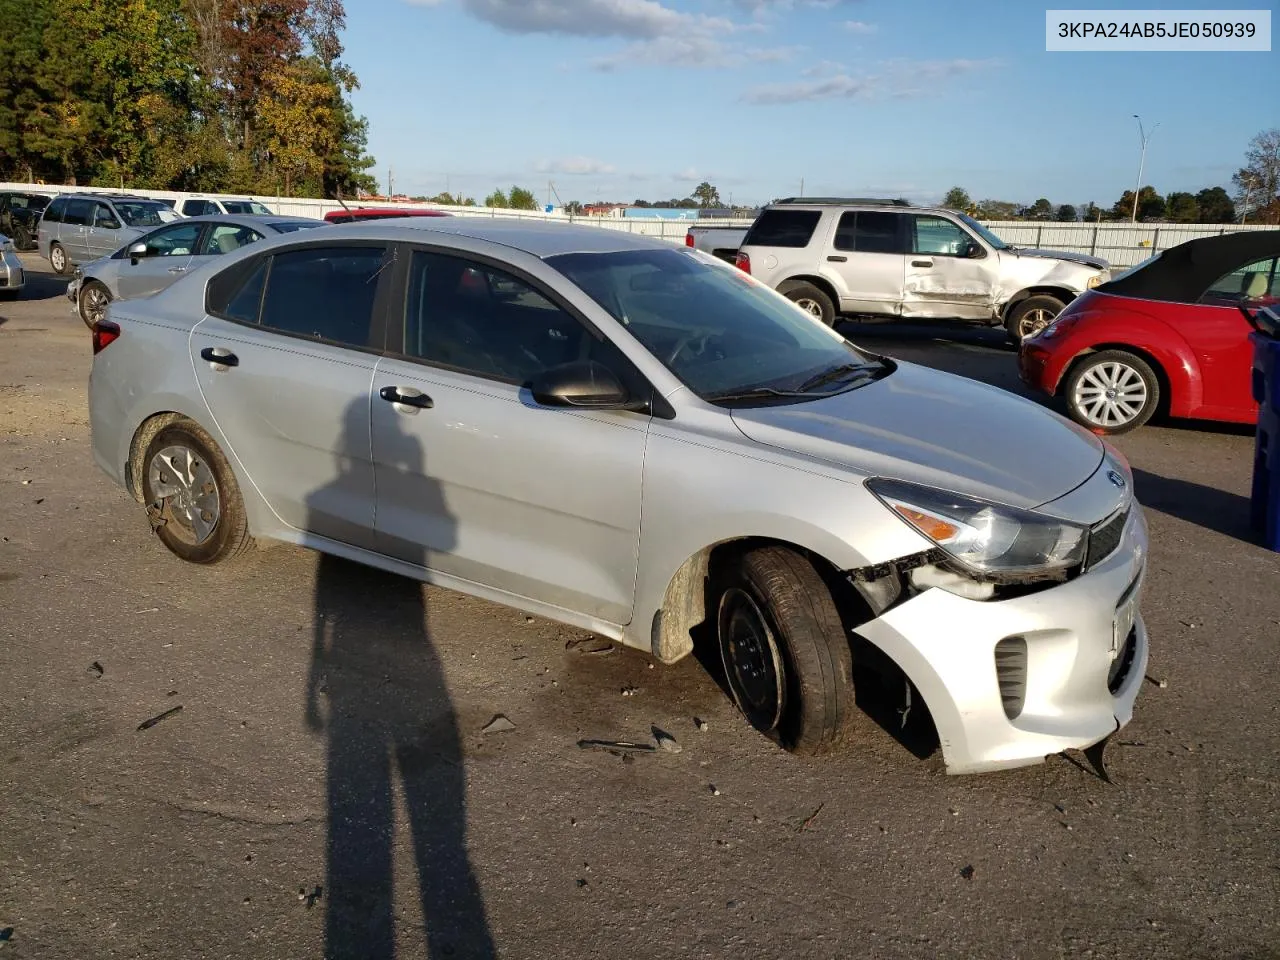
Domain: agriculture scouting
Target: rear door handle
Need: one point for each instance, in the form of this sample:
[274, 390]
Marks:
[407, 397]
[177, 269]
[922, 263]
[219, 356]
[837, 259]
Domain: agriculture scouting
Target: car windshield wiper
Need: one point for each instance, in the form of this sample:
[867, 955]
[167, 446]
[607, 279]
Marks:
[758, 393]
[837, 373]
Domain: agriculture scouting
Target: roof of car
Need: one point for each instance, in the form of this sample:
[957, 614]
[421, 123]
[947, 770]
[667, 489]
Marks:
[1183, 273]
[247, 219]
[539, 238]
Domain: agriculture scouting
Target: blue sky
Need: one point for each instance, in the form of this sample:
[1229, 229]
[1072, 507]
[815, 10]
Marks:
[620, 99]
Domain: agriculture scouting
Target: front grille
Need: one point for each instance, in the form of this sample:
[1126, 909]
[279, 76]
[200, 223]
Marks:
[1011, 674]
[1123, 662]
[1104, 539]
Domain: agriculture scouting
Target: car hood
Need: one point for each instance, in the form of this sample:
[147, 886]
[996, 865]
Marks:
[1096, 262]
[930, 427]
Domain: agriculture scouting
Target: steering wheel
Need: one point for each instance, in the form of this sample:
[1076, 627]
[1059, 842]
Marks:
[685, 342]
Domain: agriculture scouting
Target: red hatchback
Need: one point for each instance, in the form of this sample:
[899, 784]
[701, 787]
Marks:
[1166, 335]
[362, 214]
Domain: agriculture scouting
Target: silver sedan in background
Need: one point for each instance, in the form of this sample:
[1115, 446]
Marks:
[151, 262]
[12, 277]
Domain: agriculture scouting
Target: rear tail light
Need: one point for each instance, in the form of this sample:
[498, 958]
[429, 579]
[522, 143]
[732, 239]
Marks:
[742, 262]
[105, 333]
[688, 239]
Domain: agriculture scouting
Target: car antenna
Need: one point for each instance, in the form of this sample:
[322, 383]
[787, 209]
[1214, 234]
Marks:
[337, 192]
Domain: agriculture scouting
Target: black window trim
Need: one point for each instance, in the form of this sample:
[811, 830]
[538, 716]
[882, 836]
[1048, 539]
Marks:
[632, 376]
[378, 321]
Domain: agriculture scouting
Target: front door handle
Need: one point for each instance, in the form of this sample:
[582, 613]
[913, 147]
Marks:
[834, 258]
[177, 269]
[220, 357]
[407, 397]
[922, 263]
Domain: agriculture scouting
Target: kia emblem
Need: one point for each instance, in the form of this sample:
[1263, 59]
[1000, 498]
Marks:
[1115, 479]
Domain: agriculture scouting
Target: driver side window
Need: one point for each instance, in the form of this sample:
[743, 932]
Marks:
[473, 318]
[104, 217]
[940, 237]
[1255, 284]
[177, 241]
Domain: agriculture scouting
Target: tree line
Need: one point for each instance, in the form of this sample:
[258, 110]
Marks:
[234, 96]
[1257, 198]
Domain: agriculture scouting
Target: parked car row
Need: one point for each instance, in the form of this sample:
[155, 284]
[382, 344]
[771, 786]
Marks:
[845, 256]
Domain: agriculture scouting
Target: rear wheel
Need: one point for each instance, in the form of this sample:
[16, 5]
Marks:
[1030, 316]
[192, 498]
[786, 657]
[58, 259]
[1111, 392]
[93, 301]
[811, 299]
[22, 237]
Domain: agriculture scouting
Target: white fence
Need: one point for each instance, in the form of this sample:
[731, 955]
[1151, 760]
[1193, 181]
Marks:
[1122, 244]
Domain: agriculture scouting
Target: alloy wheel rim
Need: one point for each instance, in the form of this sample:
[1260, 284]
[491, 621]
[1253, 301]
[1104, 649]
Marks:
[809, 306]
[1033, 321]
[182, 484]
[95, 304]
[1110, 394]
[58, 258]
[752, 660]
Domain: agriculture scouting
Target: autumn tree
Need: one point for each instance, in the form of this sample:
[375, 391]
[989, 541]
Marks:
[1258, 181]
[297, 123]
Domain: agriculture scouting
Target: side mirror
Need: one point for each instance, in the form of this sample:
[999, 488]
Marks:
[973, 251]
[581, 383]
[137, 251]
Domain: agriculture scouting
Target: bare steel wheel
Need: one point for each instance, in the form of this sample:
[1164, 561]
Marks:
[94, 298]
[1112, 392]
[192, 498]
[785, 652]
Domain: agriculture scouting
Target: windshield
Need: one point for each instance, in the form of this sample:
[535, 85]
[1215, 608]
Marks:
[721, 332]
[288, 226]
[983, 232]
[251, 207]
[137, 213]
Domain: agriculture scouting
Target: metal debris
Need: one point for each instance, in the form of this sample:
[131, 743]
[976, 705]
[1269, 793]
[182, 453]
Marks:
[618, 748]
[967, 871]
[630, 691]
[499, 724]
[95, 669]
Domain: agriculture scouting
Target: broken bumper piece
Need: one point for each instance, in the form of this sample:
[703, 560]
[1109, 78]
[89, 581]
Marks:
[1009, 682]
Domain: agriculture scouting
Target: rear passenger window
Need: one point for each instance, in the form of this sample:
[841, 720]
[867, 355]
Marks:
[876, 232]
[783, 228]
[53, 212]
[323, 293]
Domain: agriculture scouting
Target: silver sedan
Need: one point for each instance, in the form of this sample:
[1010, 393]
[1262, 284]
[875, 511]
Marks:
[154, 260]
[639, 440]
[12, 276]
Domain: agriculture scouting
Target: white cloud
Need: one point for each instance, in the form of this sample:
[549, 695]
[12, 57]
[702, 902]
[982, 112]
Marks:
[630, 19]
[689, 51]
[898, 79]
[859, 27]
[575, 166]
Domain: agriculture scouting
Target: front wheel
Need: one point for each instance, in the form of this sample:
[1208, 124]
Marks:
[93, 301]
[812, 300]
[786, 657]
[1031, 315]
[192, 498]
[1112, 392]
[22, 238]
[58, 259]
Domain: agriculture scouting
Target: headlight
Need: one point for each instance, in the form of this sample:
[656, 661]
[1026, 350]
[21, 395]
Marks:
[1096, 280]
[992, 541]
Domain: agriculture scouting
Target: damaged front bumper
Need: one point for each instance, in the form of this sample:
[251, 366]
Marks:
[1009, 682]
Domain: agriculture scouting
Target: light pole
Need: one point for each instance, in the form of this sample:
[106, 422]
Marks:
[1142, 159]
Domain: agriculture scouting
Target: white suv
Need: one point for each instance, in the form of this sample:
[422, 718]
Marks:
[885, 257]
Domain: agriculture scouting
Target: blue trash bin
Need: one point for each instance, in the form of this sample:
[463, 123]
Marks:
[1265, 504]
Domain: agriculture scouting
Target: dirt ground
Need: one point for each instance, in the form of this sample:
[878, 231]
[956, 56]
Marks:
[325, 788]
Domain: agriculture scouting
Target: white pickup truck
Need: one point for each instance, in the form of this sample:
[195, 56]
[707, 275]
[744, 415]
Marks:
[722, 242]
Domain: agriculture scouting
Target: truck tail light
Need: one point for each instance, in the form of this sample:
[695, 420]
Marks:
[742, 262]
[105, 333]
[688, 239]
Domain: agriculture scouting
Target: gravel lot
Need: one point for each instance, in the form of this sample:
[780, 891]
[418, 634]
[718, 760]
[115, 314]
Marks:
[210, 833]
